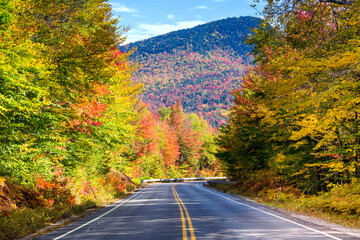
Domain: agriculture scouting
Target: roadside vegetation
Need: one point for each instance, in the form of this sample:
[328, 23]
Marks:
[73, 132]
[296, 117]
[339, 205]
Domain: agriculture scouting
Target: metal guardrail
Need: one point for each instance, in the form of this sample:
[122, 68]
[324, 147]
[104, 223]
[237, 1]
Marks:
[183, 179]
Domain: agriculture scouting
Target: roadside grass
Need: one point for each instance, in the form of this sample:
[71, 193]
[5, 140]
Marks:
[19, 223]
[25, 211]
[341, 205]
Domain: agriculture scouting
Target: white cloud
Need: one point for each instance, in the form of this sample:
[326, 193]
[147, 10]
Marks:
[170, 16]
[188, 24]
[201, 7]
[146, 30]
[219, 0]
[135, 37]
[158, 29]
[137, 15]
[117, 7]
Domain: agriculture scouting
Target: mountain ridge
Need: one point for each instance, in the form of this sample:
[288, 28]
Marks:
[217, 29]
[199, 66]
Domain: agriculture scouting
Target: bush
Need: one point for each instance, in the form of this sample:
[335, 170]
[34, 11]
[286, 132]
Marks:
[264, 185]
[254, 182]
[342, 199]
[57, 190]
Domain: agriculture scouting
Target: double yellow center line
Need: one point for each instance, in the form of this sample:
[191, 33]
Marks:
[183, 220]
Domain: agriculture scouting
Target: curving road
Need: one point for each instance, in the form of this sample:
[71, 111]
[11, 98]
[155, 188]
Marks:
[188, 211]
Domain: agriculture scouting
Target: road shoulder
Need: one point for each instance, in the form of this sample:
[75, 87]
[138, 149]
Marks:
[308, 219]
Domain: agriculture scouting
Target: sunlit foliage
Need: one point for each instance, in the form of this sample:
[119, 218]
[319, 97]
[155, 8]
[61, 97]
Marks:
[302, 95]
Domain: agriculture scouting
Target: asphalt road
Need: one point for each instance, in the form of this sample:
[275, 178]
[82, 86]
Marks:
[188, 211]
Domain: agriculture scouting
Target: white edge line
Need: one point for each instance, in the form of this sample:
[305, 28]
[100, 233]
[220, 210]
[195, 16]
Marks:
[95, 219]
[309, 228]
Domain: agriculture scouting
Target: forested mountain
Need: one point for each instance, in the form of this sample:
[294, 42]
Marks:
[201, 81]
[199, 66]
[225, 34]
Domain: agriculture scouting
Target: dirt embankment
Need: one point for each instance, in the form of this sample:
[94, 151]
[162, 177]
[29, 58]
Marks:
[16, 197]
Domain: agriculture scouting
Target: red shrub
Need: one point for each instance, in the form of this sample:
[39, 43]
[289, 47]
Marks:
[56, 191]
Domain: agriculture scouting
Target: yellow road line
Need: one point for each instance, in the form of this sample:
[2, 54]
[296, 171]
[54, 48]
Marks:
[182, 215]
[191, 229]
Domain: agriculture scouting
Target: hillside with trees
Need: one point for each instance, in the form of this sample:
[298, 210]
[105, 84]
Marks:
[202, 81]
[199, 66]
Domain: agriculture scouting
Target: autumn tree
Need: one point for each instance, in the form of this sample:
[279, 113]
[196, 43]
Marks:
[170, 149]
[26, 119]
[91, 86]
[245, 143]
[196, 141]
[66, 99]
[305, 85]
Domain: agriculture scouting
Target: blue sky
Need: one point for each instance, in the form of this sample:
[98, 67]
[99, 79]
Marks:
[148, 18]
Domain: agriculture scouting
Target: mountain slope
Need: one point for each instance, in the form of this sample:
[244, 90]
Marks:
[227, 34]
[200, 66]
